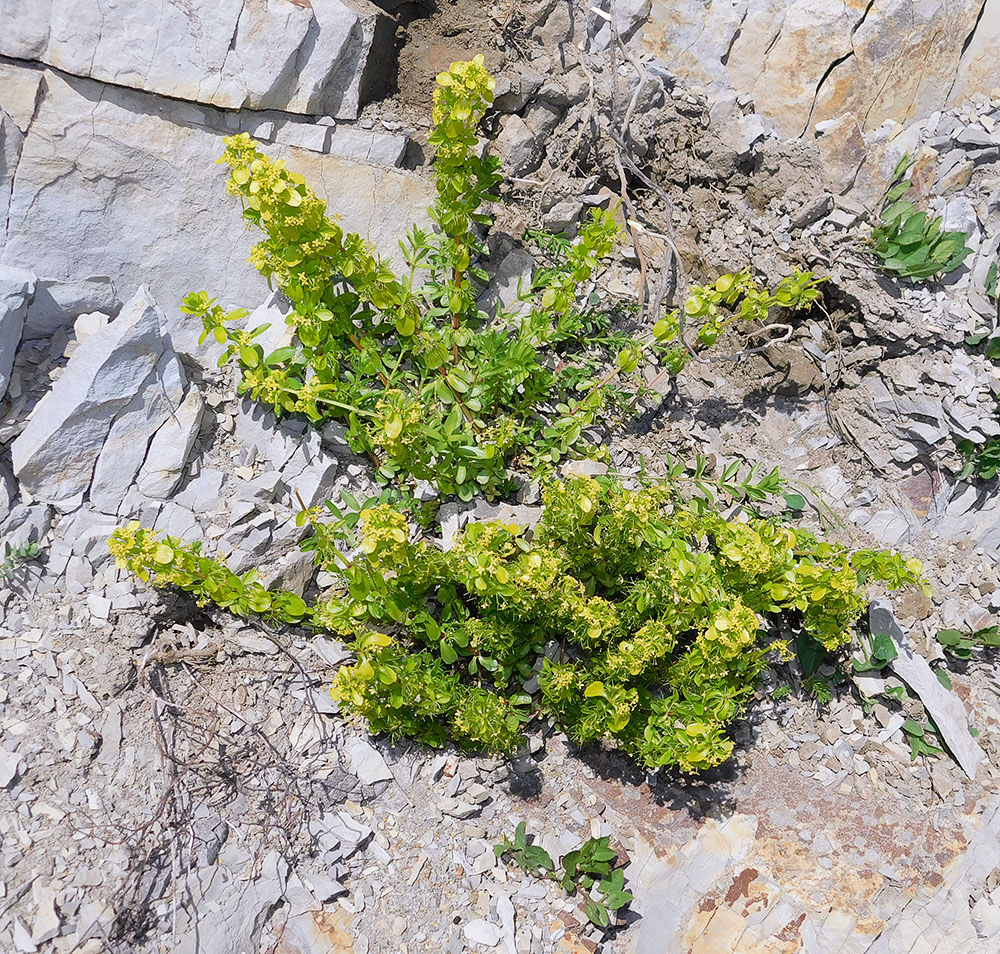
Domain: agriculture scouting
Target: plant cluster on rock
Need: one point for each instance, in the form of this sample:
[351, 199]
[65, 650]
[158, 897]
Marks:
[632, 614]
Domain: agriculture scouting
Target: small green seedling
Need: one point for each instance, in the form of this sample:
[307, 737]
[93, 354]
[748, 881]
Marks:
[592, 865]
[13, 557]
[960, 645]
[911, 243]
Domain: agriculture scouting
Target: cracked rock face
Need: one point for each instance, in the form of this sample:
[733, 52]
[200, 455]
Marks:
[120, 391]
[129, 183]
[264, 54]
[808, 61]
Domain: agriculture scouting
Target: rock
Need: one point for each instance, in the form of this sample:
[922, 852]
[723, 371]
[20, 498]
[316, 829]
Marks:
[170, 447]
[385, 148]
[11, 765]
[310, 58]
[512, 276]
[54, 456]
[322, 886]
[563, 215]
[812, 211]
[481, 931]
[974, 136]
[960, 216]
[518, 90]
[58, 303]
[108, 183]
[367, 762]
[843, 150]
[47, 922]
[124, 449]
[16, 289]
[628, 17]
[457, 808]
[230, 911]
[943, 705]
[806, 61]
[89, 323]
[518, 147]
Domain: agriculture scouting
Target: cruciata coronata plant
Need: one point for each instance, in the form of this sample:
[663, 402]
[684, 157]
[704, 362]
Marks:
[430, 387]
[632, 617]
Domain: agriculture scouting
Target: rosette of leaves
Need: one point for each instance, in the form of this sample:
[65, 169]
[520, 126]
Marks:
[909, 242]
[429, 386]
[634, 618]
[592, 869]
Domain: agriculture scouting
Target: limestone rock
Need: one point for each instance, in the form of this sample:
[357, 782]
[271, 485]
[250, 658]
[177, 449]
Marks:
[54, 456]
[170, 447]
[125, 447]
[111, 182]
[518, 146]
[806, 61]
[16, 288]
[301, 57]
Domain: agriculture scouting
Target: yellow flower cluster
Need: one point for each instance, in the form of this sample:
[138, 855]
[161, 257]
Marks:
[397, 417]
[733, 629]
[464, 91]
[384, 533]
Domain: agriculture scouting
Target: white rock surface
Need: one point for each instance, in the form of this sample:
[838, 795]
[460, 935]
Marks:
[16, 288]
[115, 184]
[54, 456]
[309, 57]
[170, 447]
[367, 762]
[806, 61]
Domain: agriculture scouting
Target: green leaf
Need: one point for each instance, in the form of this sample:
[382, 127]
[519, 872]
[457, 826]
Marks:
[883, 648]
[279, 356]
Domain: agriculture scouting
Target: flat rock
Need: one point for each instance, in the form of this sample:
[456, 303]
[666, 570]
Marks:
[943, 705]
[483, 932]
[367, 762]
[301, 57]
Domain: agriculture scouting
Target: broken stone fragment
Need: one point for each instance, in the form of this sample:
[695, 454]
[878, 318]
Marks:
[943, 705]
[16, 289]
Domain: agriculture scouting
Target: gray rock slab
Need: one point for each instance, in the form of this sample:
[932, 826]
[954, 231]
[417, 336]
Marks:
[127, 443]
[113, 182]
[170, 448]
[54, 456]
[229, 913]
[943, 705]
[17, 286]
[367, 762]
[302, 57]
[57, 303]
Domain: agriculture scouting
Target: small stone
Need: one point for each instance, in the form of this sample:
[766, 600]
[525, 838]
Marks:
[367, 762]
[10, 767]
[99, 606]
[483, 932]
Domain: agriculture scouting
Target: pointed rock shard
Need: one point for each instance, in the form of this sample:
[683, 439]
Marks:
[16, 288]
[170, 447]
[944, 706]
[54, 456]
